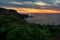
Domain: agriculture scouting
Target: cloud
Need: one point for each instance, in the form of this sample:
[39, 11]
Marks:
[24, 0]
[17, 3]
[42, 3]
[56, 3]
[29, 3]
[32, 6]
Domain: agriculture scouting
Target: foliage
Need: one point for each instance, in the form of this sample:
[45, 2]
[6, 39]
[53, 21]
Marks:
[15, 28]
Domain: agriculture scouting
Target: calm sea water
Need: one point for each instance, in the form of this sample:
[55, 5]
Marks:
[44, 19]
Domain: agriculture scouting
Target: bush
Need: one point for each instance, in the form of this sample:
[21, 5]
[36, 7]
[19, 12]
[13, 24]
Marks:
[16, 28]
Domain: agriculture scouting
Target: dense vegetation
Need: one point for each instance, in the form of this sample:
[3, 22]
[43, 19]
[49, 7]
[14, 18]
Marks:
[14, 27]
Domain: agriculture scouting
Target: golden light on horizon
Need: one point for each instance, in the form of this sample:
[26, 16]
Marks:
[35, 11]
[32, 10]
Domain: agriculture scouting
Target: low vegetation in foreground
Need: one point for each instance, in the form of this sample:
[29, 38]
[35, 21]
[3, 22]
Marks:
[13, 26]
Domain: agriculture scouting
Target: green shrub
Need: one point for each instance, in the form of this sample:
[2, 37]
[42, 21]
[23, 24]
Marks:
[15, 28]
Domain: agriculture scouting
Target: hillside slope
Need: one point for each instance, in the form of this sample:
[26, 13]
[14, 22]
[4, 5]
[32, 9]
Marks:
[14, 27]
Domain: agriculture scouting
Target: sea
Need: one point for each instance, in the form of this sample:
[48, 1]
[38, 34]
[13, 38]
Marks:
[52, 19]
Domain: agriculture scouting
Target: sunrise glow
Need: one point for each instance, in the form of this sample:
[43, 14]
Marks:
[32, 10]
[35, 11]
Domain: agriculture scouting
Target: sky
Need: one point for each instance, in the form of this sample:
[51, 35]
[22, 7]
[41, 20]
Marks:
[32, 6]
